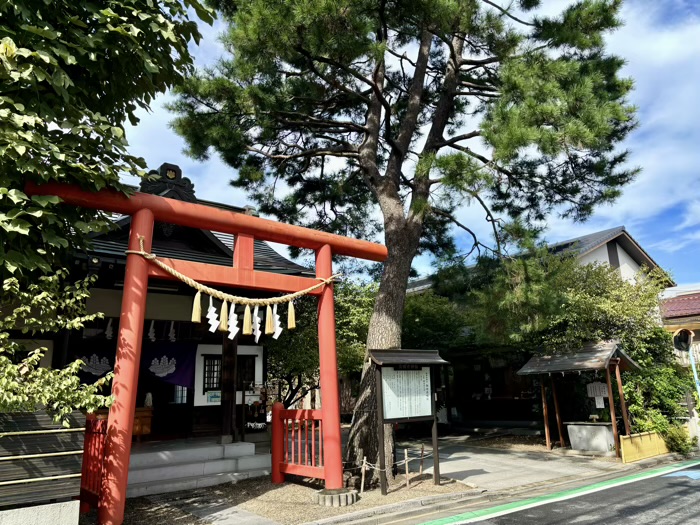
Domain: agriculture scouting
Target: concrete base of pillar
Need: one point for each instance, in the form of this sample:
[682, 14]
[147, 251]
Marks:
[335, 498]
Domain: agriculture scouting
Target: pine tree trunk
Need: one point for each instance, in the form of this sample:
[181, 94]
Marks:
[384, 333]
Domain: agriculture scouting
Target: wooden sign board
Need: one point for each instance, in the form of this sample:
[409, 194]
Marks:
[407, 393]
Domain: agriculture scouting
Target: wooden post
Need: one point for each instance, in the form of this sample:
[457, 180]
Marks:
[611, 400]
[562, 443]
[364, 469]
[277, 445]
[405, 461]
[380, 429]
[422, 450]
[436, 451]
[545, 413]
[229, 431]
[623, 404]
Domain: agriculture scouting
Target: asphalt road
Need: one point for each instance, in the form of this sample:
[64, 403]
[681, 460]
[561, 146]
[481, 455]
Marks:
[667, 498]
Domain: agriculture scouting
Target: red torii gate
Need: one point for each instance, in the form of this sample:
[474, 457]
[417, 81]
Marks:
[145, 209]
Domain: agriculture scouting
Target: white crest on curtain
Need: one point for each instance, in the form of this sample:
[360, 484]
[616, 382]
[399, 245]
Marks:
[94, 365]
[163, 366]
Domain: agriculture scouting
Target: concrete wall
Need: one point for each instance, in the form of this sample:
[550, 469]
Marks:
[200, 399]
[642, 446]
[628, 267]
[599, 255]
[55, 514]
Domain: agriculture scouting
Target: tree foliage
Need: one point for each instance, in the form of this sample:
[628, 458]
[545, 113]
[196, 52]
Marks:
[348, 105]
[552, 303]
[547, 303]
[49, 305]
[434, 322]
[293, 360]
[71, 73]
[328, 110]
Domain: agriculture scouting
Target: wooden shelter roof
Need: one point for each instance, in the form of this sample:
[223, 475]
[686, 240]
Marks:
[406, 357]
[592, 356]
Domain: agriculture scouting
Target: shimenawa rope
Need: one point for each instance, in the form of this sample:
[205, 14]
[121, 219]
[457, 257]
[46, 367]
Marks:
[224, 297]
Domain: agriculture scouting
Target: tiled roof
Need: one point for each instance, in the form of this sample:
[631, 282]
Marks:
[681, 306]
[586, 243]
[266, 259]
[592, 356]
[214, 248]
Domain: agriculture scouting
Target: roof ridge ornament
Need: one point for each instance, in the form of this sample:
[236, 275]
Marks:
[167, 181]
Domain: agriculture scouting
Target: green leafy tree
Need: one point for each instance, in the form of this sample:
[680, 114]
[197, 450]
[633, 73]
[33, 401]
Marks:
[71, 73]
[434, 322]
[293, 358]
[47, 305]
[551, 304]
[330, 110]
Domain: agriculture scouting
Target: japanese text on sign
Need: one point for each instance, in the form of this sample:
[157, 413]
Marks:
[406, 393]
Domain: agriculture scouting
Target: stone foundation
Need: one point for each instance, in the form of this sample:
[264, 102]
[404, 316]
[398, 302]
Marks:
[335, 498]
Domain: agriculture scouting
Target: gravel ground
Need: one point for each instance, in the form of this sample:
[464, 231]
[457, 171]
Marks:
[142, 511]
[290, 504]
[287, 504]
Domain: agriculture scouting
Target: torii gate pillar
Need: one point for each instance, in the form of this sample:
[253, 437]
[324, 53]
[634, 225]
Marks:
[120, 423]
[328, 365]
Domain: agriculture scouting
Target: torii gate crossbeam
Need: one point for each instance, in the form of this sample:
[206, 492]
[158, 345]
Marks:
[145, 210]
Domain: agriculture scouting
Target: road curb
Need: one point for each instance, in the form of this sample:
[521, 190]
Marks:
[395, 509]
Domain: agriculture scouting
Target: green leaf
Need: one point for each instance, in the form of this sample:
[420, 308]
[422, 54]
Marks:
[43, 200]
[16, 196]
[46, 33]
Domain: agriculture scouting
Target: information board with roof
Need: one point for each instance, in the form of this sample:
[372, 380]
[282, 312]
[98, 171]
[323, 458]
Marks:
[406, 390]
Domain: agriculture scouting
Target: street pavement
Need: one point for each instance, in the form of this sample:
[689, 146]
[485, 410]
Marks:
[501, 470]
[665, 496]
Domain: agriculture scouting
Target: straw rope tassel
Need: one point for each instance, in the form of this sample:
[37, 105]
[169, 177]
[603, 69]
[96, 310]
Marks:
[269, 321]
[247, 321]
[197, 308]
[223, 325]
[291, 316]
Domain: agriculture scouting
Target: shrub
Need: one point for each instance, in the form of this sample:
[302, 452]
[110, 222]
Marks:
[678, 440]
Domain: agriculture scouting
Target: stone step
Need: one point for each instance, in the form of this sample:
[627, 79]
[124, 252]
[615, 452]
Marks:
[153, 456]
[135, 490]
[171, 470]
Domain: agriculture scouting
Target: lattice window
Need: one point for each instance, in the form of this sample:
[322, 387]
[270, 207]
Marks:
[246, 372]
[180, 396]
[212, 373]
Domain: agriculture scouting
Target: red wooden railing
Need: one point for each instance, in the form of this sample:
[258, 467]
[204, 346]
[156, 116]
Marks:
[297, 443]
[93, 458]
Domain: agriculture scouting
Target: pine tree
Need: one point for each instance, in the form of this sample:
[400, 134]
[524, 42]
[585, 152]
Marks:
[331, 109]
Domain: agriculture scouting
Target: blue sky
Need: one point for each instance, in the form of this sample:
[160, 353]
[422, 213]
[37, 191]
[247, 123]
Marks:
[661, 208]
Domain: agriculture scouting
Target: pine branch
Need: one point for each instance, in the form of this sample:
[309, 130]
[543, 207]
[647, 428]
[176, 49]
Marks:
[317, 152]
[476, 244]
[505, 12]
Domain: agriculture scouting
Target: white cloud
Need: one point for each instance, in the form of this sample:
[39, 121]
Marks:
[691, 216]
[662, 57]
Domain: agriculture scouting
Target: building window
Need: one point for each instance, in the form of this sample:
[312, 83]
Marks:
[212, 373]
[180, 397]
